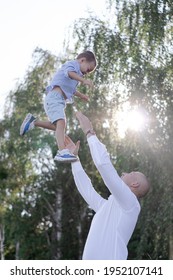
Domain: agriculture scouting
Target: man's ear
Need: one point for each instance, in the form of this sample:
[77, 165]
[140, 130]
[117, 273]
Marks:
[135, 184]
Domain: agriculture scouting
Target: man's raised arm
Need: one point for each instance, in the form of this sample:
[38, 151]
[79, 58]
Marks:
[103, 163]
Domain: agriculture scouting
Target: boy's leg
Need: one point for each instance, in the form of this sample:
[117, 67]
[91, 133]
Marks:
[58, 127]
[30, 122]
[60, 133]
[63, 155]
[45, 124]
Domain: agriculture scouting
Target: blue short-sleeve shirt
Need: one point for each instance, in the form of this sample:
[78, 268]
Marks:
[62, 79]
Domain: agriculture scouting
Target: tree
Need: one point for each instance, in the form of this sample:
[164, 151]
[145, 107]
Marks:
[135, 66]
[134, 54]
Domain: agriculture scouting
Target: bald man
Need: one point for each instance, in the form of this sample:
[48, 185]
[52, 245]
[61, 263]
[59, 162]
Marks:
[116, 217]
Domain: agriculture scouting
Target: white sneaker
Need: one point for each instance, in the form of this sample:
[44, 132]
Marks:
[27, 124]
[65, 156]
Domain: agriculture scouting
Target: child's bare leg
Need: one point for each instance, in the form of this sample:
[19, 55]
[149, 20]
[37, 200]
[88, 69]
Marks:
[58, 127]
[60, 133]
[45, 124]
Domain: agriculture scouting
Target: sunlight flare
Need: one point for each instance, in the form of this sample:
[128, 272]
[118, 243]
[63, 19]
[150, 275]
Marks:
[130, 119]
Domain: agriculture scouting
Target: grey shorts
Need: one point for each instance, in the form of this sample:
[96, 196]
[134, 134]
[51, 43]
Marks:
[54, 105]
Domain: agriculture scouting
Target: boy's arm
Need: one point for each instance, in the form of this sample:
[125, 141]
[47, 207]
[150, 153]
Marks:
[75, 76]
[82, 96]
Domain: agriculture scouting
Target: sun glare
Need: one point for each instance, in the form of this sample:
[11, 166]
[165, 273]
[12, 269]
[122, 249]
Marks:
[135, 120]
[130, 119]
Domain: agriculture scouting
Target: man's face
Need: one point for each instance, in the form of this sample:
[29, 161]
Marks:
[130, 178]
[137, 182]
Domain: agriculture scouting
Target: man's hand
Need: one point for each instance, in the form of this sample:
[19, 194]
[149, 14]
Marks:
[71, 146]
[85, 123]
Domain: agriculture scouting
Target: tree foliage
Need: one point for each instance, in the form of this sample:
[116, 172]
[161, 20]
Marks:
[134, 50]
[42, 216]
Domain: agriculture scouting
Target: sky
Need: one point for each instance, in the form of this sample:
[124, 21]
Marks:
[27, 24]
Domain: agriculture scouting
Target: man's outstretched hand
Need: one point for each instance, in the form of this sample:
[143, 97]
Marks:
[71, 146]
[85, 123]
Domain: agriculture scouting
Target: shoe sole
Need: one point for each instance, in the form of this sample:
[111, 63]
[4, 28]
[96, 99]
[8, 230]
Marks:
[27, 118]
[66, 160]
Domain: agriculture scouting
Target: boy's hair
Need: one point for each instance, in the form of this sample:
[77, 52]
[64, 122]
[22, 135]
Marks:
[88, 55]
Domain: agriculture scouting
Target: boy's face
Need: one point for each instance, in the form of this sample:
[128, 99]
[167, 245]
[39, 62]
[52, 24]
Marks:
[86, 67]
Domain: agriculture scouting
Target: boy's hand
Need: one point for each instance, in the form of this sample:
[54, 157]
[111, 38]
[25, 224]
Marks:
[82, 96]
[85, 97]
[88, 83]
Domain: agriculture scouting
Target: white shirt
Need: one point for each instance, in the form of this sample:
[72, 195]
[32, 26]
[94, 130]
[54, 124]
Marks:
[115, 217]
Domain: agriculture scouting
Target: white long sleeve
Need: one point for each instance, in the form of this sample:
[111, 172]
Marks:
[114, 183]
[85, 187]
[116, 217]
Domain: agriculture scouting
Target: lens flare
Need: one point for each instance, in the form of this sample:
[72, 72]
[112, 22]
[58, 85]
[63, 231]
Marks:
[132, 119]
